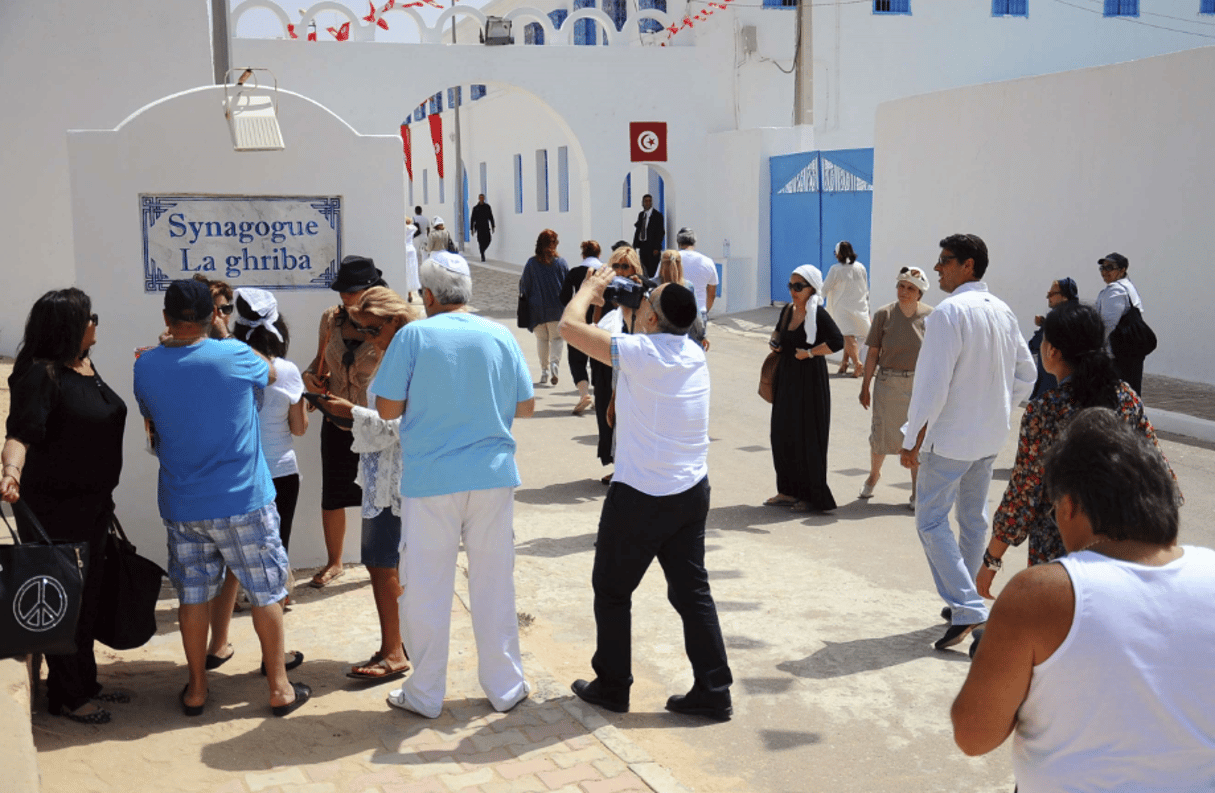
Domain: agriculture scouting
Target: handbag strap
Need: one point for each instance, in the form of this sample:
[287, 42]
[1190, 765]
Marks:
[116, 528]
[31, 517]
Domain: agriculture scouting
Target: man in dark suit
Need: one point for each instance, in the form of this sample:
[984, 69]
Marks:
[650, 229]
[482, 223]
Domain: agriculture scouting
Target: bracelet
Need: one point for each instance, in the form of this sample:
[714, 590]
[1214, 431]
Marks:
[992, 562]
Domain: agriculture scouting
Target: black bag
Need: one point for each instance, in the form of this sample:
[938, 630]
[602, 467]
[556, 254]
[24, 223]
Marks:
[130, 587]
[523, 314]
[1131, 337]
[451, 246]
[41, 585]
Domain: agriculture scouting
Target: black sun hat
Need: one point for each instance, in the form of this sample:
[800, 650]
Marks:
[356, 274]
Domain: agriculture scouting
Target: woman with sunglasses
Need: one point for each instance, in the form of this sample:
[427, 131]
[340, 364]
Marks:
[62, 456]
[344, 364]
[1072, 350]
[894, 345]
[801, 397]
[378, 315]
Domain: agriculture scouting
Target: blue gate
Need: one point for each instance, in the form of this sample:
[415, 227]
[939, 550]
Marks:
[818, 199]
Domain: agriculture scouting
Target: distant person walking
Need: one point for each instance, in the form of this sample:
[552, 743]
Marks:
[440, 239]
[846, 290]
[540, 284]
[422, 229]
[1117, 298]
[578, 359]
[1060, 292]
[412, 284]
[699, 269]
[482, 222]
[648, 234]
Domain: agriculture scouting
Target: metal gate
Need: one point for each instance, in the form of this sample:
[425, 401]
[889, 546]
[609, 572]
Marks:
[818, 198]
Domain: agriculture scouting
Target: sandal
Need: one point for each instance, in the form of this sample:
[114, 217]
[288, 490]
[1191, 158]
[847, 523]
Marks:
[290, 661]
[780, 501]
[216, 661]
[118, 696]
[327, 576]
[801, 506]
[607, 480]
[99, 716]
[379, 671]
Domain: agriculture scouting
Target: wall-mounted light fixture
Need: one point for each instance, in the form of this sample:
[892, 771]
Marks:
[252, 111]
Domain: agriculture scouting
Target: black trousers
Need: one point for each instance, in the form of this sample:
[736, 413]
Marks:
[286, 496]
[634, 528]
[601, 379]
[1131, 370]
[483, 238]
[650, 257]
[71, 680]
[578, 361]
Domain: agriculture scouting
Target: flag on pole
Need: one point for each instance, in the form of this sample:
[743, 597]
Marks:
[436, 137]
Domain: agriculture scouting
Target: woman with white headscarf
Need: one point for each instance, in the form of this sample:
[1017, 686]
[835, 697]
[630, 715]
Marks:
[801, 398]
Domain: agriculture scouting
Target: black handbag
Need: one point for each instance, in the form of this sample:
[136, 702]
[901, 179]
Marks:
[130, 587]
[1131, 337]
[41, 585]
[523, 314]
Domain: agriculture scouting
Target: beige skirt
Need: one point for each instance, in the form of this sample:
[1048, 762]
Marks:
[891, 398]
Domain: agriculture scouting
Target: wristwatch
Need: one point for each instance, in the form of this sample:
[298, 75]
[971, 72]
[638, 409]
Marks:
[992, 562]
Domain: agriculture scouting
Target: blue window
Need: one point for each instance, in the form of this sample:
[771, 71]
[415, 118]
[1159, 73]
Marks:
[533, 33]
[455, 96]
[563, 179]
[518, 184]
[892, 6]
[626, 200]
[484, 181]
[1206, 7]
[1010, 8]
[652, 25]
[586, 32]
[780, 3]
[425, 186]
[1122, 8]
[419, 112]
[436, 103]
[541, 180]
[618, 10]
[476, 92]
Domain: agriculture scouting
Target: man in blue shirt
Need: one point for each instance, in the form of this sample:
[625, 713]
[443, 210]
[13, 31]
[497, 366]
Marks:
[457, 381]
[215, 492]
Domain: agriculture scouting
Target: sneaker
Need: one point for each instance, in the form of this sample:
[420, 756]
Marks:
[955, 635]
[544, 377]
[593, 693]
[699, 702]
[553, 369]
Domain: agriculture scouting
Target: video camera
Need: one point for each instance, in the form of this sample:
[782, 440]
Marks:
[626, 292]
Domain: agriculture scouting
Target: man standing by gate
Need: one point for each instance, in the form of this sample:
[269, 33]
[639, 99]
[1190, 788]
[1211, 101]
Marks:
[648, 234]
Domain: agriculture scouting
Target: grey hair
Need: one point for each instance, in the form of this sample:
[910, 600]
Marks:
[685, 236]
[450, 289]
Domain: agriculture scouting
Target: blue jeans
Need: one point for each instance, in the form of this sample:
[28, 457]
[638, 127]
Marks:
[943, 482]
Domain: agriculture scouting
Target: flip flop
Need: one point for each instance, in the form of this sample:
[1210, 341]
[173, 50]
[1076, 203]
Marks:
[302, 693]
[293, 659]
[216, 661]
[386, 672]
[780, 501]
[325, 577]
[189, 710]
[800, 506]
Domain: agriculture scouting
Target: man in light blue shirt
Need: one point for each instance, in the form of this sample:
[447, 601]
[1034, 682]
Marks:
[457, 381]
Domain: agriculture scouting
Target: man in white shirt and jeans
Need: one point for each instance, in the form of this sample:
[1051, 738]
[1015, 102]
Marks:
[659, 497]
[699, 270]
[974, 367]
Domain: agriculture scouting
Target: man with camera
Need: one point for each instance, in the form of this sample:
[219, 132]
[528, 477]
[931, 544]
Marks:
[659, 498]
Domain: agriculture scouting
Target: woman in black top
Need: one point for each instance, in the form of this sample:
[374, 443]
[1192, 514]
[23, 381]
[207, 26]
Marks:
[62, 456]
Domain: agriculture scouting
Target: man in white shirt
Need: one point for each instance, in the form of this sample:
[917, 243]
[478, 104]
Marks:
[659, 497]
[421, 230]
[699, 269]
[1118, 297]
[974, 366]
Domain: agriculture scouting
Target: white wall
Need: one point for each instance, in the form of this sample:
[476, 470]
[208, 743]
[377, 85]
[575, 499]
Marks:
[181, 145]
[75, 66]
[863, 59]
[1055, 172]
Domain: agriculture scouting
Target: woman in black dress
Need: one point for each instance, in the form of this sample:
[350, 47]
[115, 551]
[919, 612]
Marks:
[62, 456]
[801, 403]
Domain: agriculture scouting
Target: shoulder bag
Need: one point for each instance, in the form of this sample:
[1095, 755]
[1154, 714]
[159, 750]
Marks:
[130, 587]
[41, 584]
[1131, 337]
[767, 370]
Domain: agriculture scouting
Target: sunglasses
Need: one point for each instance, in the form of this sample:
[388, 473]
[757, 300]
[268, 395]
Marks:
[226, 309]
[798, 287]
[621, 267]
[367, 330]
[1108, 268]
[93, 319]
[945, 257]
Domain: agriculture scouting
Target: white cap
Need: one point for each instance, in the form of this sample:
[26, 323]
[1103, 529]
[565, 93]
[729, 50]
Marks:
[437, 221]
[452, 262]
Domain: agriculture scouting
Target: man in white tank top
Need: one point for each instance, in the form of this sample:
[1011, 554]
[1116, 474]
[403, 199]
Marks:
[1102, 664]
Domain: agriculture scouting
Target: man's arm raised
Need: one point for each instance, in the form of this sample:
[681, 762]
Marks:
[590, 339]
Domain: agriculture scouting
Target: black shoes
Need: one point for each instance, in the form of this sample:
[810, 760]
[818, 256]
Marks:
[593, 693]
[302, 693]
[947, 613]
[974, 645]
[955, 635]
[699, 702]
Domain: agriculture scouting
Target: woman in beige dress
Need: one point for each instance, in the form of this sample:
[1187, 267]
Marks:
[894, 343]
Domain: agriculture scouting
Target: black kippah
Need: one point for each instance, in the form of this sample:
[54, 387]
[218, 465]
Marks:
[678, 306]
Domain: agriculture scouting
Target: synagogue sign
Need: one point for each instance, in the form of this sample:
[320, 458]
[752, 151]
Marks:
[271, 242]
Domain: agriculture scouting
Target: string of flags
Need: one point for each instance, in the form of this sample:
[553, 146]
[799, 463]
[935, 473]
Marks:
[375, 17]
[690, 20]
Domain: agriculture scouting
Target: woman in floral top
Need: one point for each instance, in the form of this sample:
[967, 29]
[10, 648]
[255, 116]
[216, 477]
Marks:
[1073, 338]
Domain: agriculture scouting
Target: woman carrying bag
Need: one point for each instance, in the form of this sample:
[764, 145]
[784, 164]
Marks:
[63, 456]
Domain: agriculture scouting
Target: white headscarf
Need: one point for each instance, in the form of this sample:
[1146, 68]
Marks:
[264, 304]
[815, 279]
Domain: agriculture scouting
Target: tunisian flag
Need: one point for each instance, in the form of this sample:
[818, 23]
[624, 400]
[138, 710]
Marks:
[407, 146]
[436, 137]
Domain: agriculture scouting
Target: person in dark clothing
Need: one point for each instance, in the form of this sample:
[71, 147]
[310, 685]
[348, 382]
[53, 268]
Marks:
[578, 359]
[649, 232]
[482, 221]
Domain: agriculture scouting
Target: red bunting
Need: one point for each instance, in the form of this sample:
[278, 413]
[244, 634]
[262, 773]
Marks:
[291, 31]
[342, 33]
[406, 145]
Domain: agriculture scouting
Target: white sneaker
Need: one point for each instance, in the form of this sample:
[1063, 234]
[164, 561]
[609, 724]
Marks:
[544, 377]
[553, 368]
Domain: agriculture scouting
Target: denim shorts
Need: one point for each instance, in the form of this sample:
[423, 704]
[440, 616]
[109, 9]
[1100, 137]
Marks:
[201, 550]
[382, 540]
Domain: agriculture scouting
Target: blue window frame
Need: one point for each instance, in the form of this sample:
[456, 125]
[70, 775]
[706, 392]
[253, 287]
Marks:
[533, 33]
[484, 180]
[892, 6]
[455, 96]
[618, 10]
[436, 103]
[563, 179]
[1010, 8]
[419, 112]
[652, 25]
[425, 186]
[1122, 8]
[476, 92]
[518, 184]
[780, 3]
[541, 180]
[1206, 7]
[586, 32]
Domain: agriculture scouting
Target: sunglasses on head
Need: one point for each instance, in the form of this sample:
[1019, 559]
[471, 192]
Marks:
[916, 272]
[798, 287]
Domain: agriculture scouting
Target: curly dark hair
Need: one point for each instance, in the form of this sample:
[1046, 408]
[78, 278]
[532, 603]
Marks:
[546, 246]
[590, 248]
[54, 331]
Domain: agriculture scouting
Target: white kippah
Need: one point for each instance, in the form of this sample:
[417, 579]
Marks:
[452, 262]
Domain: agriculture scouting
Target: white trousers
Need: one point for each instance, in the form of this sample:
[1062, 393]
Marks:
[431, 530]
[549, 345]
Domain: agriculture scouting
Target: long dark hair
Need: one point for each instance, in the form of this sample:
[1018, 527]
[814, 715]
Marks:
[546, 246]
[54, 330]
[1075, 330]
[259, 338]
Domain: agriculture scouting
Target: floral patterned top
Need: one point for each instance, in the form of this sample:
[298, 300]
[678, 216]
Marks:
[1024, 510]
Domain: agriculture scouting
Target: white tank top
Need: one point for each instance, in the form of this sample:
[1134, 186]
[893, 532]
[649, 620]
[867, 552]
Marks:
[1127, 702]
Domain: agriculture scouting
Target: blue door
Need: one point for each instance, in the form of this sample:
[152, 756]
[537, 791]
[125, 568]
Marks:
[796, 237]
[846, 193]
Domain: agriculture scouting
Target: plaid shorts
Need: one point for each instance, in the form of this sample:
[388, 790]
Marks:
[201, 550]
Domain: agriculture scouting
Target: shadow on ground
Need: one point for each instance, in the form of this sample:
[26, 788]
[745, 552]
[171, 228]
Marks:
[865, 655]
